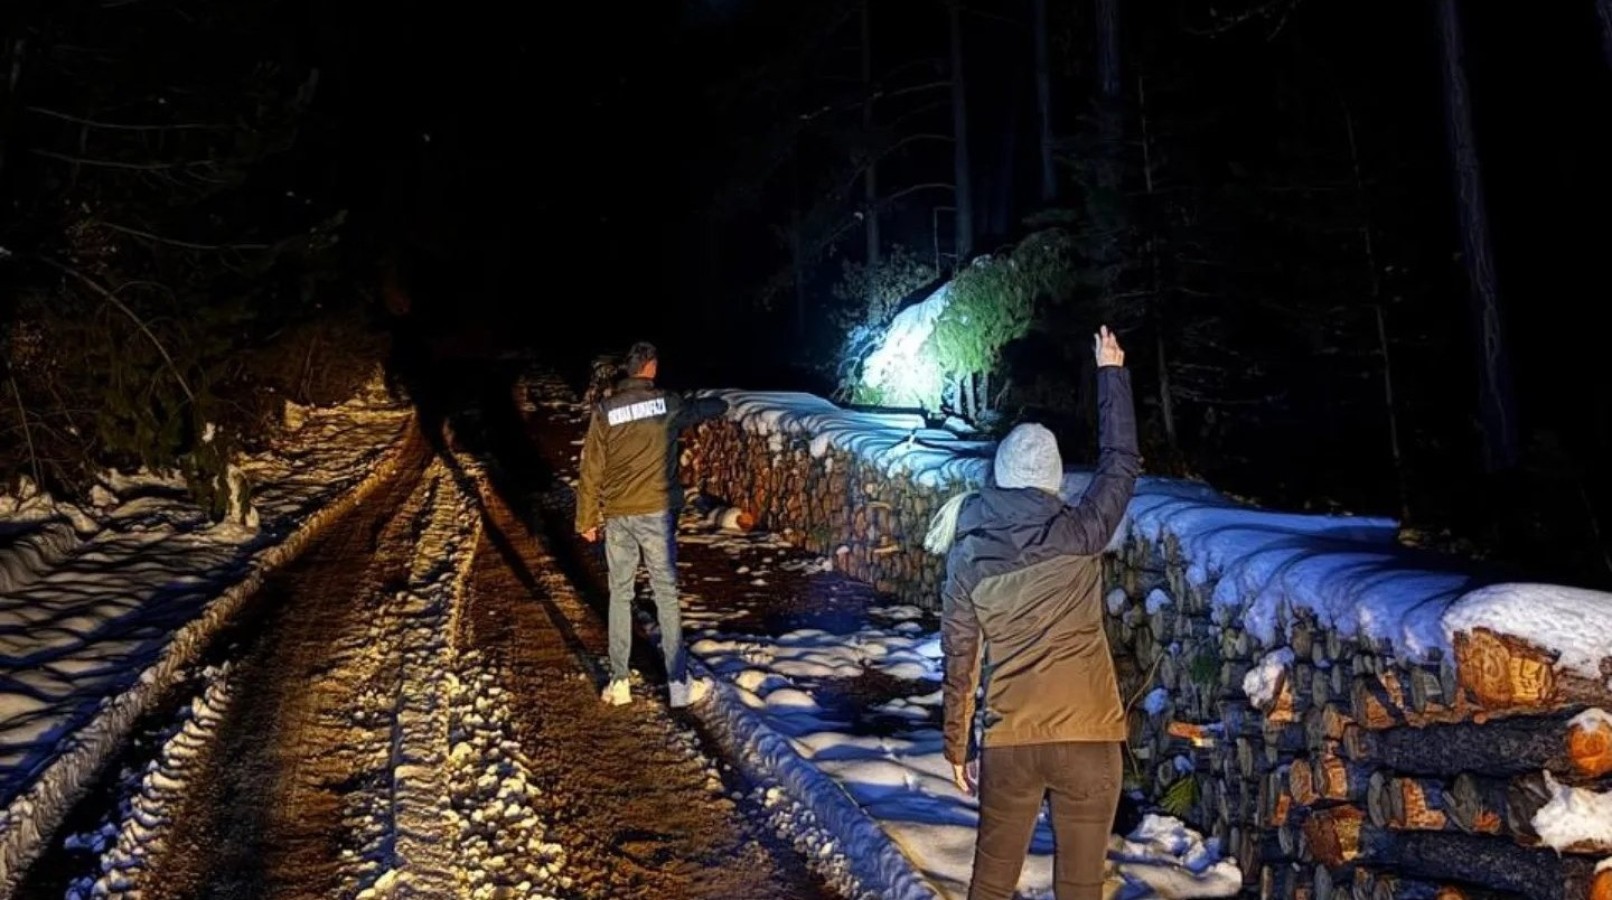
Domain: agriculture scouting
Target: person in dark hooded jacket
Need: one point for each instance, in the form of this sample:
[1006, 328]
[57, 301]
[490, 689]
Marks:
[1023, 596]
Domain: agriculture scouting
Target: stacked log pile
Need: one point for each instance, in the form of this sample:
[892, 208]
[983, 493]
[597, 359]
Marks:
[1357, 775]
[836, 504]
[1360, 775]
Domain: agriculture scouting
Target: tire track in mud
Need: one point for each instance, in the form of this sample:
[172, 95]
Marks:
[285, 803]
[639, 809]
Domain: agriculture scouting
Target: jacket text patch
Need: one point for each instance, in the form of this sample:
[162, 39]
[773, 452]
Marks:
[640, 410]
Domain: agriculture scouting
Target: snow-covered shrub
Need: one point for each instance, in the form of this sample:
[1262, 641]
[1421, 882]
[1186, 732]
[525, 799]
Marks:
[941, 352]
[870, 298]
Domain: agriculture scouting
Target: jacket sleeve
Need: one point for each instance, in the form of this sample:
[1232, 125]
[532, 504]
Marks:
[693, 410]
[1085, 527]
[589, 499]
[960, 646]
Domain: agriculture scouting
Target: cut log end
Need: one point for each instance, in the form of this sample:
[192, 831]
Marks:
[1334, 834]
[1501, 671]
[1601, 887]
[1589, 746]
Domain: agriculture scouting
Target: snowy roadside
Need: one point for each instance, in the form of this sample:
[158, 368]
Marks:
[127, 849]
[870, 787]
[462, 791]
[887, 759]
[452, 814]
[95, 628]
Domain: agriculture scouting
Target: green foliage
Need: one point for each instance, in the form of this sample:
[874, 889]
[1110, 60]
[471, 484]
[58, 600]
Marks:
[988, 305]
[1180, 796]
[993, 303]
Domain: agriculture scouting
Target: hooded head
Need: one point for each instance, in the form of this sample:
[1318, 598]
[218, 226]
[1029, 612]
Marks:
[1028, 458]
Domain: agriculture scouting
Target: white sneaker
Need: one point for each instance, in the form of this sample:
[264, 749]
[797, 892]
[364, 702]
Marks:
[617, 693]
[686, 693]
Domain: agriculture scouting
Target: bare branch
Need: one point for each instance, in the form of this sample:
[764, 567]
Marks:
[882, 152]
[912, 89]
[27, 431]
[926, 186]
[188, 245]
[118, 164]
[1280, 10]
[78, 120]
[112, 298]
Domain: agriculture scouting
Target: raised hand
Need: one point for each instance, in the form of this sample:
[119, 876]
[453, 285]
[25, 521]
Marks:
[1105, 346]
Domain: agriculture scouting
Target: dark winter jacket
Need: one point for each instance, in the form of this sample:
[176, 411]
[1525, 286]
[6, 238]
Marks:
[629, 458]
[1025, 577]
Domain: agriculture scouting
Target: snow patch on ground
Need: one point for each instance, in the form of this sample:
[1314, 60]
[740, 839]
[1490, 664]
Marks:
[89, 643]
[880, 807]
[900, 781]
[143, 832]
[499, 836]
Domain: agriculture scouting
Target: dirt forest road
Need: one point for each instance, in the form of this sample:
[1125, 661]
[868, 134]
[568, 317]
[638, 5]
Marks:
[311, 784]
[265, 817]
[632, 798]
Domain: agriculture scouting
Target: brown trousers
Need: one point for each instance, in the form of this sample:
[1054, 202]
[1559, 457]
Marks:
[1083, 779]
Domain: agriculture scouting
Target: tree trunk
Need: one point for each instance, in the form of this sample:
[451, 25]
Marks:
[1514, 745]
[797, 251]
[1603, 9]
[870, 178]
[1374, 282]
[1156, 299]
[1111, 130]
[1043, 94]
[999, 214]
[1497, 406]
[1109, 212]
[16, 50]
[963, 244]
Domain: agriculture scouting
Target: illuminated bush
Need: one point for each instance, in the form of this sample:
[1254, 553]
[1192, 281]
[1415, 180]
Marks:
[871, 297]
[902, 370]
[942, 351]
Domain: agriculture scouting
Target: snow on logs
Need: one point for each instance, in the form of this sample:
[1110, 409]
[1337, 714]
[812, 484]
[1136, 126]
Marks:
[1349, 716]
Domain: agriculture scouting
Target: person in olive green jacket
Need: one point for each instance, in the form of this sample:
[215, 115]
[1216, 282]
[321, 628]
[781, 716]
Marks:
[1024, 579]
[629, 487]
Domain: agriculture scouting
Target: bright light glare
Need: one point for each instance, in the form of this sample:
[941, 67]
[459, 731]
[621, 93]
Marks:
[900, 369]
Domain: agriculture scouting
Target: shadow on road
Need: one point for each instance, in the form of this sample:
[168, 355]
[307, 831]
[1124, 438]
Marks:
[473, 406]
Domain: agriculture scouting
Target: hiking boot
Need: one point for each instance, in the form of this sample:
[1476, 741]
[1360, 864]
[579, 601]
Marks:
[685, 693]
[617, 693]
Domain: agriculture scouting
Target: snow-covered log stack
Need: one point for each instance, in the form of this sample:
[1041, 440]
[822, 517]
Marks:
[857, 487]
[1352, 718]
